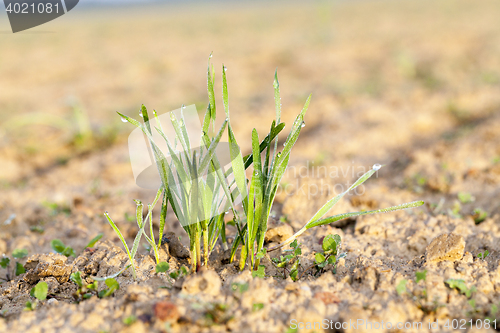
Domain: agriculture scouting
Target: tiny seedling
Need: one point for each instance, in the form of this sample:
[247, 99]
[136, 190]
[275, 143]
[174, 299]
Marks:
[483, 255]
[37, 228]
[465, 197]
[39, 292]
[239, 288]
[85, 290]
[291, 257]
[216, 313]
[163, 267]
[260, 272]
[421, 297]
[331, 253]
[455, 210]
[479, 215]
[113, 286]
[58, 246]
[19, 268]
[420, 276]
[257, 307]
[460, 285]
[93, 241]
[331, 248]
[142, 225]
[181, 272]
[401, 287]
[57, 208]
[129, 320]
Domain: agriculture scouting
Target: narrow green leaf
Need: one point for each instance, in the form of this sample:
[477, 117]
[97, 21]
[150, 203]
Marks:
[225, 98]
[94, 240]
[339, 217]
[119, 234]
[95, 278]
[277, 98]
[327, 206]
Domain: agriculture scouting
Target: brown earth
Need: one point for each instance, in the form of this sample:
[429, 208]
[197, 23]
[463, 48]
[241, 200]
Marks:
[414, 86]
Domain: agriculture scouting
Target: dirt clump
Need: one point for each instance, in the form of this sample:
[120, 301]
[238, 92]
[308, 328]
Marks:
[446, 247]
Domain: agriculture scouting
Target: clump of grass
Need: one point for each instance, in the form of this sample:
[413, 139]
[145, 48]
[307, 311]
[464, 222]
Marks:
[483, 255]
[141, 223]
[196, 200]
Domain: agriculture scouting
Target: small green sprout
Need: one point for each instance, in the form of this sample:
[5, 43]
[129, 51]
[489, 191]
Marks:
[183, 271]
[284, 219]
[57, 208]
[129, 320]
[460, 285]
[37, 228]
[483, 255]
[205, 225]
[113, 286]
[257, 307]
[259, 272]
[141, 223]
[401, 287]
[94, 240]
[216, 313]
[19, 269]
[20, 253]
[420, 276]
[239, 287]
[331, 246]
[455, 210]
[84, 290]
[465, 197]
[58, 246]
[291, 257]
[479, 215]
[39, 292]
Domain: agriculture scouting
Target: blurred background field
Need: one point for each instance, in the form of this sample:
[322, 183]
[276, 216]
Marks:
[417, 69]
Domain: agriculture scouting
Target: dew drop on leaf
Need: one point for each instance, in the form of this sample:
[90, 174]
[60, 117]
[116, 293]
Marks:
[123, 119]
[376, 167]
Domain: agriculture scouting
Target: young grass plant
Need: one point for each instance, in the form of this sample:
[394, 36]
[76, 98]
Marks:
[141, 224]
[200, 191]
[190, 181]
[260, 194]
